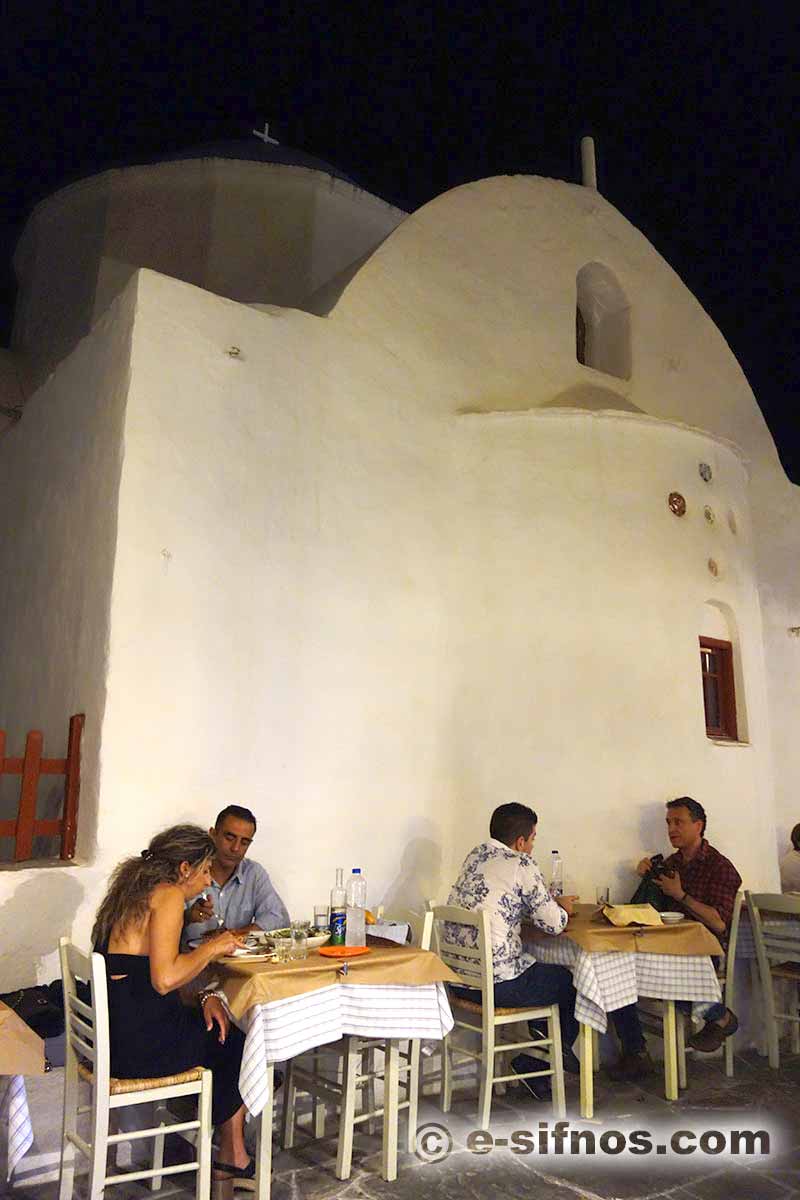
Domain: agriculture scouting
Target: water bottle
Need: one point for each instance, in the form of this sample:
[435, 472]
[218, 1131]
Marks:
[556, 875]
[338, 909]
[356, 933]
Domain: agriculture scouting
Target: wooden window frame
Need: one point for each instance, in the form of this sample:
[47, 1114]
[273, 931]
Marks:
[727, 729]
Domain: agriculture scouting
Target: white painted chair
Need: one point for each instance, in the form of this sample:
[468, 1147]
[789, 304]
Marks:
[659, 1022]
[778, 955]
[474, 969]
[356, 1065]
[88, 1060]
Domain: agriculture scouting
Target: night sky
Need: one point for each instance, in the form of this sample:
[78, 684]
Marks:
[691, 106]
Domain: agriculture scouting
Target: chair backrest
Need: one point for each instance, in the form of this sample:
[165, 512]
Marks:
[733, 937]
[463, 941]
[420, 924]
[85, 1014]
[775, 941]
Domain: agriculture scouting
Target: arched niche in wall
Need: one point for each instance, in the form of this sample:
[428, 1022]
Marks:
[602, 322]
[718, 621]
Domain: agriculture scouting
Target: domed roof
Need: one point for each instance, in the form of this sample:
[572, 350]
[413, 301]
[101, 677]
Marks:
[252, 149]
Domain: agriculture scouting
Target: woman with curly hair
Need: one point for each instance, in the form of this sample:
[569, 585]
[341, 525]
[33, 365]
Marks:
[152, 1033]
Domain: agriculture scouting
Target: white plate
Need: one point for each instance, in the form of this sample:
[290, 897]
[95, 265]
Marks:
[314, 941]
[250, 955]
[672, 918]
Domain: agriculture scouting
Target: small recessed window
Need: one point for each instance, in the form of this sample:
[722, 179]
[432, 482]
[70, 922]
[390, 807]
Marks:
[719, 697]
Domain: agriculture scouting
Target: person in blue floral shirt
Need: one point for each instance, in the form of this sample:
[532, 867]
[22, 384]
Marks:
[500, 877]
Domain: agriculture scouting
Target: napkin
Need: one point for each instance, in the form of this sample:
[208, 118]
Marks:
[631, 914]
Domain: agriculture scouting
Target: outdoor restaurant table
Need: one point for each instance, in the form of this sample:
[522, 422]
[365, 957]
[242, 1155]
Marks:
[613, 967]
[392, 993]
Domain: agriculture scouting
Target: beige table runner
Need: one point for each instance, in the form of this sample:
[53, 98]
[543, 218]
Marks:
[249, 983]
[591, 931]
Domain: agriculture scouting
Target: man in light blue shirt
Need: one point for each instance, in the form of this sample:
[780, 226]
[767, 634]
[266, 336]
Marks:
[241, 893]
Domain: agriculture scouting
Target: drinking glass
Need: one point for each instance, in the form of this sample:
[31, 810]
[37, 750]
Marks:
[299, 940]
[321, 918]
[281, 948]
[601, 894]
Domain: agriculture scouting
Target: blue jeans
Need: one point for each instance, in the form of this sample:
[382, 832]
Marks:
[629, 1028]
[540, 984]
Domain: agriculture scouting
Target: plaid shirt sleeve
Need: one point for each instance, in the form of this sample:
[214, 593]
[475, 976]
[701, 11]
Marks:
[712, 879]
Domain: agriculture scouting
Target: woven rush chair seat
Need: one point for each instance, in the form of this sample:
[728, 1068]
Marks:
[786, 970]
[88, 1063]
[471, 1006]
[493, 1029]
[121, 1087]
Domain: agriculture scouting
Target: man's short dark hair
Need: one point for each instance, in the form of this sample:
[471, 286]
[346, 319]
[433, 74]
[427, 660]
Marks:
[695, 809]
[512, 821]
[796, 837]
[241, 814]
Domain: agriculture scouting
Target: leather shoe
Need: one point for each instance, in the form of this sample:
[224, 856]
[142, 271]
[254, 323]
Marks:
[632, 1067]
[712, 1035]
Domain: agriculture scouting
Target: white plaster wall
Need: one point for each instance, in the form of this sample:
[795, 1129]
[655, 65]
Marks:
[582, 595]
[59, 474]
[278, 621]
[372, 622]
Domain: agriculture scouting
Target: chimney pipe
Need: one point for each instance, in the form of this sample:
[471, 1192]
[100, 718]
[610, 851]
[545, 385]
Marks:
[588, 165]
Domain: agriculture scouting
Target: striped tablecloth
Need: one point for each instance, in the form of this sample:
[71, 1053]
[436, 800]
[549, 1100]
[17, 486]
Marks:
[281, 1029]
[16, 1118]
[607, 981]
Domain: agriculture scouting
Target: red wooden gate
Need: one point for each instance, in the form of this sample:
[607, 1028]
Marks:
[31, 767]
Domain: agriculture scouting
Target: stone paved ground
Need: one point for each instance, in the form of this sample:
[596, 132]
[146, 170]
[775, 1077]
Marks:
[755, 1098]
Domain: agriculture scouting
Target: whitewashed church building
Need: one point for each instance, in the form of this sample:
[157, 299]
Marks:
[373, 521]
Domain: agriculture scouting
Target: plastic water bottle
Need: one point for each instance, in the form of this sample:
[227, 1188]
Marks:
[356, 933]
[338, 909]
[556, 874]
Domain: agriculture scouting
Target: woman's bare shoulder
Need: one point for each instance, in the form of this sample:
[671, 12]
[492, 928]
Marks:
[166, 897]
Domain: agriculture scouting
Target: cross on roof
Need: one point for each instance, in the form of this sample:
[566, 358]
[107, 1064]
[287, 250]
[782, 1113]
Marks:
[265, 138]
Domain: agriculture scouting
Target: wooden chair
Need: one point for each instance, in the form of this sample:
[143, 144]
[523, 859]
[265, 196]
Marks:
[88, 1060]
[474, 969]
[659, 1021]
[356, 1074]
[778, 955]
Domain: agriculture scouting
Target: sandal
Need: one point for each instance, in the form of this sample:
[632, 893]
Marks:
[231, 1172]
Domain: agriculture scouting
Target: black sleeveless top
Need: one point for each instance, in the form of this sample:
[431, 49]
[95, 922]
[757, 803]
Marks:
[153, 1035]
[150, 1034]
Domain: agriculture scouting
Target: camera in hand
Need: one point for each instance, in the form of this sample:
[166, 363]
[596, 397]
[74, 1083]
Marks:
[657, 867]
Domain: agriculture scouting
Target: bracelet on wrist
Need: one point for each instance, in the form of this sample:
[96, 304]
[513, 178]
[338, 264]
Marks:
[207, 996]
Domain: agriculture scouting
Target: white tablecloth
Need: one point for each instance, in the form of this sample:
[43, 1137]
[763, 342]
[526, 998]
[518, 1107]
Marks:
[15, 1116]
[609, 980]
[282, 1029]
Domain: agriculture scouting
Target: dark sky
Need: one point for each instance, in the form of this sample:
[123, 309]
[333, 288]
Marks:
[691, 106]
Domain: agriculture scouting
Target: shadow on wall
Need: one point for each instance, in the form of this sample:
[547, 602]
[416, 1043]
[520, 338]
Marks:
[419, 877]
[32, 920]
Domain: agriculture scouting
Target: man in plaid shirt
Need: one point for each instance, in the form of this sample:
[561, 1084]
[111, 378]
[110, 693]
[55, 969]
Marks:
[701, 881]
